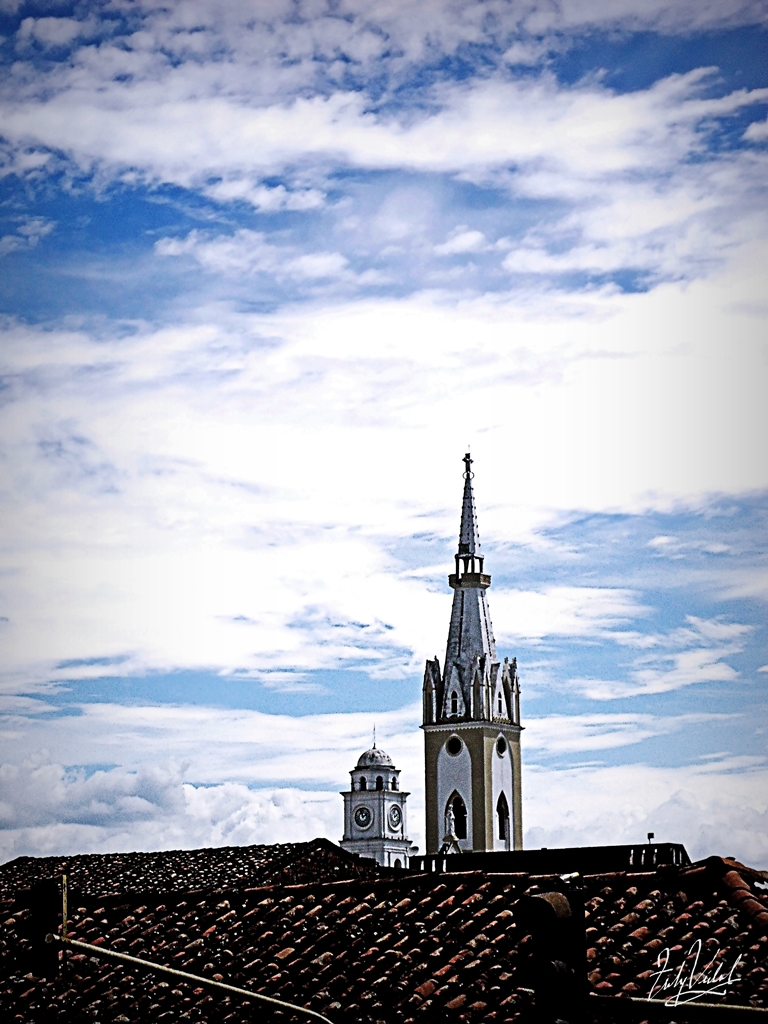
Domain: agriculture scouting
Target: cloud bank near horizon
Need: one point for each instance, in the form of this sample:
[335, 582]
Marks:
[254, 765]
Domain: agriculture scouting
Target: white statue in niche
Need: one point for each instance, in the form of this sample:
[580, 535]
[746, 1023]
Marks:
[450, 842]
[450, 823]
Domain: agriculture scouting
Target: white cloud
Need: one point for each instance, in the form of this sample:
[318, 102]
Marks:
[226, 750]
[563, 611]
[462, 240]
[662, 542]
[681, 16]
[16, 704]
[689, 667]
[527, 53]
[634, 168]
[751, 582]
[151, 809]
[215, 745]
[56, 32]
[672, 547]
[757, 131]
[392, 36]
[561, 138]
[266, 198]
[198, 795]
[558, 734]
[248, 252]
[715, 808]
[26, 236]
[154, 482]
[661, 671]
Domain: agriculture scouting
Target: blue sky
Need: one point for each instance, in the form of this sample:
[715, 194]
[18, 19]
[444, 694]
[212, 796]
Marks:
[266, 270]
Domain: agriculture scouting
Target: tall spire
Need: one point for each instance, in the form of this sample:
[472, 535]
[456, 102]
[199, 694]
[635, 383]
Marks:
[471, 633]
[469, 557]
[469, 542]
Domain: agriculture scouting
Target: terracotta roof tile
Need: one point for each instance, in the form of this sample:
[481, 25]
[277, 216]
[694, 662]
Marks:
[394, 949]
[185, 871]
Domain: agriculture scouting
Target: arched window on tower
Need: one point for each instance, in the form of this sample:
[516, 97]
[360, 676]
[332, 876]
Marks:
[459, 817]
[502, 812]
[501, 708]
[379, 782]
[363, 783]
[394, 782]
[454, 703]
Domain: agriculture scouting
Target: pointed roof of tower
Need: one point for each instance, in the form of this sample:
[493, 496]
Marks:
[469, 540]
[470, 635]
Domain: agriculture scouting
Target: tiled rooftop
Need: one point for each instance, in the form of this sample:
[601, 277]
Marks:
[403, 949]
[174, 871]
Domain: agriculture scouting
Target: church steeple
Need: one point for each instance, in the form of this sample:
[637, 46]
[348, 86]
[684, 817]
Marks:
[470, 636]
[472, 712]
[469, 541]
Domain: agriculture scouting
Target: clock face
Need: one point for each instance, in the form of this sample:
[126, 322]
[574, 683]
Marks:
[363, 817]
[395, 818]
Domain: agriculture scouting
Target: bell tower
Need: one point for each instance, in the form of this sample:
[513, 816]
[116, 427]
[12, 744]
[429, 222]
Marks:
[374, 811]
[471, 716]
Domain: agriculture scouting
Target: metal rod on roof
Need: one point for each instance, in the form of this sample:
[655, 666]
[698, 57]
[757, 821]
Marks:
[189, 977]
[64, 919]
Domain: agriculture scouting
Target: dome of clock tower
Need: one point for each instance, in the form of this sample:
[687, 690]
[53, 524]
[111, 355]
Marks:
[374, 758]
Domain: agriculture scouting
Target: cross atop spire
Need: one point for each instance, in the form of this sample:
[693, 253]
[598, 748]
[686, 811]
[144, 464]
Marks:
[469, 540]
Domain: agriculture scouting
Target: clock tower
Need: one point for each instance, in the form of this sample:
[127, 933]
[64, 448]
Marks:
[374, 811]
[471, 717]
